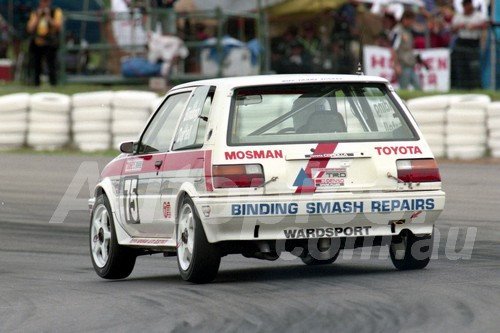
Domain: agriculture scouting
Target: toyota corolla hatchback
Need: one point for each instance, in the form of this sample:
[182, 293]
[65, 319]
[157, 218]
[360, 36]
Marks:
[262, 165]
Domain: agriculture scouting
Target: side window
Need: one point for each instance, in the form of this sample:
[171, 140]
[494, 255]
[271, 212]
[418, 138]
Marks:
[158, 135]
[202, 125]
[191, 131]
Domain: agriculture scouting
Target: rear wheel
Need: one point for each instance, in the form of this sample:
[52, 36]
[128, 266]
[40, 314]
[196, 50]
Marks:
[411, 252]
[198, 260]
[110, 260]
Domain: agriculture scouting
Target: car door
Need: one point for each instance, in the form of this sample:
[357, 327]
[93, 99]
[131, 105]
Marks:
[140, 207]
[184, 163]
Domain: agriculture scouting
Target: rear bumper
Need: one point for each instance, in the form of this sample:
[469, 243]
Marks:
[319, 215]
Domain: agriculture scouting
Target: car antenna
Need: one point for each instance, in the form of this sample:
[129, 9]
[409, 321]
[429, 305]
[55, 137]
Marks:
[360, 69]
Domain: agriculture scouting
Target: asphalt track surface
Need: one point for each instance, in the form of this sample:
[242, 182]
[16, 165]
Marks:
[47, 283]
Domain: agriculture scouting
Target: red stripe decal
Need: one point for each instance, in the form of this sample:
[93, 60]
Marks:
[172, 161]
[114, 168]
[208, 171]
[317, 163]
[183, 160]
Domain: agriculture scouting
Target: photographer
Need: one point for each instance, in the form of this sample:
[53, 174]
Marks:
[44, 26]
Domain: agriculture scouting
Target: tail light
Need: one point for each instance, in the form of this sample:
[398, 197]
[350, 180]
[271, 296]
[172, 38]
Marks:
[242, 175]
[418, 171]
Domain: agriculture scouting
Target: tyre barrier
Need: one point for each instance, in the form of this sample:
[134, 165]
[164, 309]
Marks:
[456, 126]
[91, 120]
[92, 99]
[13, 120]
[493, 123]
[466, 131]
[131, 111]
[48, 126]
[430, 103]
[155, 104]
[131, 99]
[431, 123]
[126, 130]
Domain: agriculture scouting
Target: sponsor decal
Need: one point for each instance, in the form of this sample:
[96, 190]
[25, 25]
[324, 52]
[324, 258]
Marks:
[303, 179]
[330, 155]
[323, 151]
[332, 207]
[326, 232]
[253, 154]
[401, 150]
[264, 209]
[167, 210]
[329, 177]
[134, 165]
[402, 205]
[148, 241]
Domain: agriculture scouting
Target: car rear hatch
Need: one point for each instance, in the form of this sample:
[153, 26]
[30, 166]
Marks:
[329, 137]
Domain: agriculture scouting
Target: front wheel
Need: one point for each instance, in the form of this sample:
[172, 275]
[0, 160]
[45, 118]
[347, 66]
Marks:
[198, 260]
[411, 252]
[110, 259]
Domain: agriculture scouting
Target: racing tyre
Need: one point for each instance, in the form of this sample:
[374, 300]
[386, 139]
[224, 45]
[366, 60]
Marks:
[14, 102]
[198, 260]
[412, 252]
[110, 260]
[439, 102]
[92, 99]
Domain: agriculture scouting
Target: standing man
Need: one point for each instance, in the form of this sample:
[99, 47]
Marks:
[466, 53]
[165, 15]
[44, 26]
[405, 60]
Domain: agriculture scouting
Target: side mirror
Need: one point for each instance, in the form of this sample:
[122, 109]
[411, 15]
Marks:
[127, 147]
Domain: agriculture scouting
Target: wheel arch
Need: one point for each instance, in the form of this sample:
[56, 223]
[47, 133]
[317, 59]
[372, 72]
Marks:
[186, 189]
[106, 187]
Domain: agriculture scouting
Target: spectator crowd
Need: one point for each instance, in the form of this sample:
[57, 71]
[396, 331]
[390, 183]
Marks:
[333, 42]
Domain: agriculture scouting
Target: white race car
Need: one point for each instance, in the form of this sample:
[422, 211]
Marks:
[309, 164]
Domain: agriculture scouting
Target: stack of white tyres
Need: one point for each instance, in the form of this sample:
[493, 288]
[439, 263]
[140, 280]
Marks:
[91, 120]
[466, 132]
[13, 120]
[430, 114]
[155, 103]
[131, 110]
[49, 126]
[493, 113]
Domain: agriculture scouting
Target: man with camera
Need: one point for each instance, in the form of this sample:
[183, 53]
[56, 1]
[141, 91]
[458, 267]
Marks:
[44, 26]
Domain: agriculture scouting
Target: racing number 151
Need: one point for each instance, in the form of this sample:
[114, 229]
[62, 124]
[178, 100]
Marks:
[131, 200]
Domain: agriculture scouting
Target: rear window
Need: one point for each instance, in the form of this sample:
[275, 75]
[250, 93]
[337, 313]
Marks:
[302, 113]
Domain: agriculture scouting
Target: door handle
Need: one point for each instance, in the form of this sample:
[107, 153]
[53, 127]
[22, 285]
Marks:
[158, 165]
